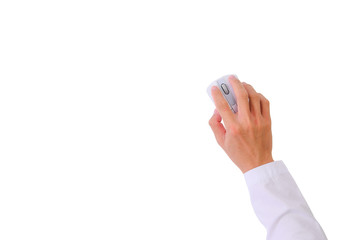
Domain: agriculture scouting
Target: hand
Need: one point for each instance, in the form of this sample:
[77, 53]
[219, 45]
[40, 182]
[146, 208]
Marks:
[246, 137]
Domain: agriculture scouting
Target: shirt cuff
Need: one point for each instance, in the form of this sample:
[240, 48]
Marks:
[265, 173]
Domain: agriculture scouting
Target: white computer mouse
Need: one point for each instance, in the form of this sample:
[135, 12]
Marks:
[226, 90]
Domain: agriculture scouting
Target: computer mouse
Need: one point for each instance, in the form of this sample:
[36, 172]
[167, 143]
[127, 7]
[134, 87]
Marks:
[226, 90]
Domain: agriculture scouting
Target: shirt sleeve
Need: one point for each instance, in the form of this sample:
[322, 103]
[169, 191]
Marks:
[279, 204]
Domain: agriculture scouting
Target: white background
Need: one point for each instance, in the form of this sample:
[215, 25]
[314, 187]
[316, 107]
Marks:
[104, 115]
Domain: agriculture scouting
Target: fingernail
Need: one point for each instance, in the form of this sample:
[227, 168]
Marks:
[213, 88]
[231, 77]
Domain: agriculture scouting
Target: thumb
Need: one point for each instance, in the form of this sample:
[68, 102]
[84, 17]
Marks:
[217, 127]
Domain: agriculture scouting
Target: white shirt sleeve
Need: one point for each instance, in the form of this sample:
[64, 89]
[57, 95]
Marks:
[279, 204]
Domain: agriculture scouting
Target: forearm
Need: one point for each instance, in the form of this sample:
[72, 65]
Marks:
[279, 204]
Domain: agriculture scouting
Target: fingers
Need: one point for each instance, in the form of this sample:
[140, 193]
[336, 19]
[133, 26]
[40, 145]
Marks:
[217, 128]
[254, 100]
[222, 106]
[241, 95]
[265, 106]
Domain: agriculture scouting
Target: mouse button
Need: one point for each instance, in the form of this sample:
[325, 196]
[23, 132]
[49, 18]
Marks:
[225, 88]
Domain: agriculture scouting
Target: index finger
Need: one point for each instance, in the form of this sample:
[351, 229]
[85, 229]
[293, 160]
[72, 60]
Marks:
[241, 95]
[222, 106]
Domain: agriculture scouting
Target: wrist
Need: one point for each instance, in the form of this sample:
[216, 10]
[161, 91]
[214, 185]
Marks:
[255, 164]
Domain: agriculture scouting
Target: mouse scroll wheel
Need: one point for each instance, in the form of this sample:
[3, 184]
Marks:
[225, 88]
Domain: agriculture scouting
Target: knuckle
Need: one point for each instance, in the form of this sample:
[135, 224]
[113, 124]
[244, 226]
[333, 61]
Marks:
[262, 95]
[256, 124]
[246, 120]
[266, 125]
[210, 121]
[244, 94]
[248, 126]
[256, 97]
[266, 101]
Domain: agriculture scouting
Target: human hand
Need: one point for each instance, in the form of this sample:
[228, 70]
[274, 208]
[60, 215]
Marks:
[246, 137]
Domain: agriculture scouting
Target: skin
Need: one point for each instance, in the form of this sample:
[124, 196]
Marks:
[245, 136]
